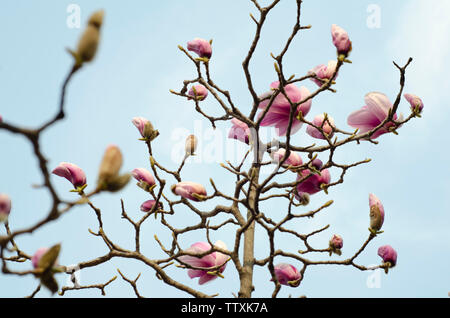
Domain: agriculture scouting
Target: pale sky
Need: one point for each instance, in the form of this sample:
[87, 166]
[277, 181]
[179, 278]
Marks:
[138, 62]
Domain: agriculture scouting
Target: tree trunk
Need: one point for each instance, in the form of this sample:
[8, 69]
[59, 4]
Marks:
[246, 276]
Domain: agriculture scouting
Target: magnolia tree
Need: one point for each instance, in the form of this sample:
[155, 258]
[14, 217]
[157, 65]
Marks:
[286, 107]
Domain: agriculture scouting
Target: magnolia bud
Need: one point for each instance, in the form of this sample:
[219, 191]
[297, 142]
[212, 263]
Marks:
[326, 125]
[336, 243]
[388, 254]
[145, 178]
[72, 173]
[46, 260]
[287, 274]
[191, 145]
[108, 177]
[198, 92]
[148, 205]
[5, 207]
[145, 128]
[87, 46]
[341, 40]
[415, 101]
[376, 213]
[201, 47]
[190, 190]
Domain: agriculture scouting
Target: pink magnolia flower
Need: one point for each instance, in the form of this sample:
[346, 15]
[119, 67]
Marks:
[71, 172]
[336, 242]
[198, 92]
[143, 175]
[207, 263]
[189, 190]
[141, 123]
[324, 72]
[293, 160]
[372, 114]
[5, 207]
[415, 101]
[278, 114]
[287, 274]
[148, 205]
[201, 47]
[388, 254]
[239, 131]
[376, 212]
[341, 40]
[312, 184]
[320, 121]
[38, 255]
[1, 119]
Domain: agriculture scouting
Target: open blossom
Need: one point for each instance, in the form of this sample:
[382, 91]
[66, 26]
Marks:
[312, 184]
[341, 40]
[189, 190]
[239, 131]
[148, 205]
[415, 101]
[376, 212]
[71, 172]
[5, 207]
[201, 47]
[209, 263]
[388, 254]
[326, 125]
[198, 92]
[287, 274]
[372, 114]
[293, 160]
[278, 114]
[324, 72]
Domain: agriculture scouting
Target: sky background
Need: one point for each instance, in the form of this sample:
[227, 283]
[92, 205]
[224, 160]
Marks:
[136, 65]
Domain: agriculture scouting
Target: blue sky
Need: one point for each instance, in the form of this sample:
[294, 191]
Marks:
[136, 65]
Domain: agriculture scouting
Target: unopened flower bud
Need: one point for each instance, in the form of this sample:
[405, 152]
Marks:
[145, 128]
[201, 47]
[145, 178]
[37, 256]
[198, 92]
[190, 190]
[148, 205]
[72, 173]
[5, 207]
[108, 177]
[287, 274]
[46, 261]
[415, 101]
[341, 40]
[88, 44]
[376, 213]
[323, 72]
[336, 243]
[388, 254]
[326, 125]
[293, 160]
[191, 145]
[239, 131]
